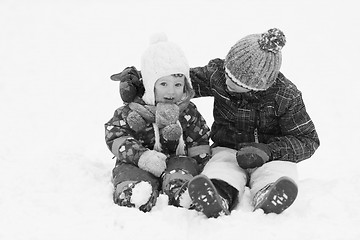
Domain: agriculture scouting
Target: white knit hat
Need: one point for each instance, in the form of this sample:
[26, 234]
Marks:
[163, 58]
[160, 59]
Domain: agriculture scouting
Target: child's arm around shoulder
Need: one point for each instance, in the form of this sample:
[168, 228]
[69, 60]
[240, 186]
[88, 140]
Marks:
[202, 77]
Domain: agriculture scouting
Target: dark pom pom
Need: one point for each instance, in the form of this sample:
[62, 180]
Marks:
[171, 132]
[273, 40]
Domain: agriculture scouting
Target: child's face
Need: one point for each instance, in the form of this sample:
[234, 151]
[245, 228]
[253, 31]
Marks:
[169, 89]
[233, 87]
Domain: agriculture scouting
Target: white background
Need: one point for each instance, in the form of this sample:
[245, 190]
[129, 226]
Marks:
[55, 96]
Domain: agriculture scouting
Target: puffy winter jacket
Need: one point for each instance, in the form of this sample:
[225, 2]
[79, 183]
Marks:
[119, 136]
[276, 117]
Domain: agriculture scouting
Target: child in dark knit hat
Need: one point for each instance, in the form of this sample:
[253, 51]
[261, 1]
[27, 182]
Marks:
[159, 139]
[261, 128]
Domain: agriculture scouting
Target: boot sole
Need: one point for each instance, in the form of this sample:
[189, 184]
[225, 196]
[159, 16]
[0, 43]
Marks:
[205, 197]
[279, 197]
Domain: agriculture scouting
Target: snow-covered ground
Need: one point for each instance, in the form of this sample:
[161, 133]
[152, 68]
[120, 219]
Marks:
[55, 95]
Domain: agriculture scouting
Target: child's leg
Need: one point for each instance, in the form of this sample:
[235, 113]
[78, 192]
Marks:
[217, 189]
[273, 186]
[223, 166]
[134, 187]
[179, 171]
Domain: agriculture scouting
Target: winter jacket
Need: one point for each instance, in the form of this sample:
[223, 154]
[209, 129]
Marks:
[119, 136]
[276, 117]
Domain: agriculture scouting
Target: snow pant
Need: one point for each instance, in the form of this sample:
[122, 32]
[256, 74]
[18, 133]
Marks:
[178, 168]
[223, 166]
[129, 172]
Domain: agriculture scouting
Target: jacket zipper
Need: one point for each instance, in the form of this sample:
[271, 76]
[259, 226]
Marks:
[257, 124]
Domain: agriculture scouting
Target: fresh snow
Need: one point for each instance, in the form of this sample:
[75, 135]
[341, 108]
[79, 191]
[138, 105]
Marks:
[141, 193]
[56, 58]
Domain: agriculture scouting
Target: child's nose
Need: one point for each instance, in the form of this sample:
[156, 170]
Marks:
[171, 90]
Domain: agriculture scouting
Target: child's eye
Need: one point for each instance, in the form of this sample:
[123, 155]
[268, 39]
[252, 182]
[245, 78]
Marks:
[178, 84]
[164, 84]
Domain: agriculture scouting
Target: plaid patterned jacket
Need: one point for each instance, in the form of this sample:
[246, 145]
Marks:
[276, 117]
[128, 145]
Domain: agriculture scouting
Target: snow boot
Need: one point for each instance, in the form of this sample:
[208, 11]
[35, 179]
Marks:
[180, 169]
[205, 197]
[276, 197]
[228, 192]
[181, 197]
[175, 184]
[128, 194]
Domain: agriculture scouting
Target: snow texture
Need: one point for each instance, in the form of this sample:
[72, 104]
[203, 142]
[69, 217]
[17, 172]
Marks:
[56, 58]
[141, 193]
[185, 200]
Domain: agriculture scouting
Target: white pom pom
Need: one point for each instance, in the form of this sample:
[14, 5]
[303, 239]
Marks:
[158, 37]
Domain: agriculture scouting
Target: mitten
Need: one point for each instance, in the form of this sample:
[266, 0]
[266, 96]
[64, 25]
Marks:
[166, 118]
[252, 155]
[130, 84]
[140, 115]
[135, 121]
[153, 162]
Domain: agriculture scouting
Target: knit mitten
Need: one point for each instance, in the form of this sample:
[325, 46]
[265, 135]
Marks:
[166, 118]
[135, 121]
[153, 162]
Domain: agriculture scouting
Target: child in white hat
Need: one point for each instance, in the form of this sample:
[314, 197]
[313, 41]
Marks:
[159, 139]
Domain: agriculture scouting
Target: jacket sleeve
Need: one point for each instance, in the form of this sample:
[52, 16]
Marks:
[197, 135]
[299, 138]
[120, 138]
[201, 77]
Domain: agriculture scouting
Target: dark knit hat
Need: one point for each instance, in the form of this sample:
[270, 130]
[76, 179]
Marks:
[255, 60]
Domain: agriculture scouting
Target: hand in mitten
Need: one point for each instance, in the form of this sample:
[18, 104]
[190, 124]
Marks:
[130, 84]
[135, 121]
[252, 155]
[153, 162]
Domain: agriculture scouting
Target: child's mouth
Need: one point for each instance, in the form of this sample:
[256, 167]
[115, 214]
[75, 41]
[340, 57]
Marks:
[169, 99]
